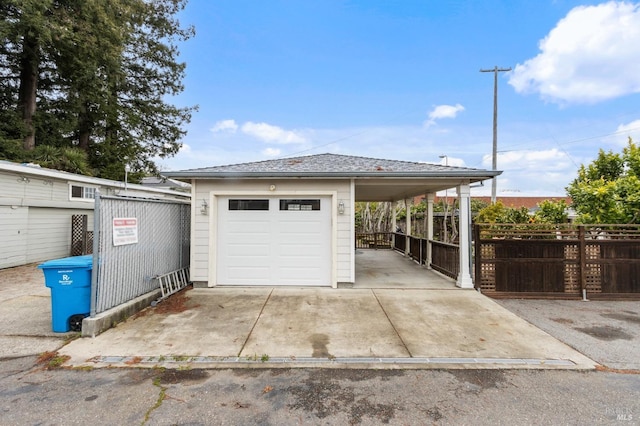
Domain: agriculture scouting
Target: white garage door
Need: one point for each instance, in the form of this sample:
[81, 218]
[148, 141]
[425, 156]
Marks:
[274, 241]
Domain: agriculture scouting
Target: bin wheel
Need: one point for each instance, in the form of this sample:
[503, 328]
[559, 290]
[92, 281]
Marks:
[75, 322]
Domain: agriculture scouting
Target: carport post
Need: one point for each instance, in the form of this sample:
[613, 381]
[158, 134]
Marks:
[394, 223]
[407, 233]
[430, 198]
[464, 215]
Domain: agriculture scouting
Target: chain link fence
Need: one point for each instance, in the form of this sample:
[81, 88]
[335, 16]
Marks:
[135, 241]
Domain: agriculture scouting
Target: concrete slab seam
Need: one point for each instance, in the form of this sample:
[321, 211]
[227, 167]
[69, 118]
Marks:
[391, 323]
[256, 321]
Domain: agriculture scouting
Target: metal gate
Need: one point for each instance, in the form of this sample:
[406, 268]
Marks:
[136, 241]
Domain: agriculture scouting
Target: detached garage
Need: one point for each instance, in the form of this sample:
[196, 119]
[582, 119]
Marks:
[291, 221]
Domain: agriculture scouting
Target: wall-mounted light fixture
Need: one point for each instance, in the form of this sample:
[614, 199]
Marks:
[204, 207]
[340, 207]
[23, 179]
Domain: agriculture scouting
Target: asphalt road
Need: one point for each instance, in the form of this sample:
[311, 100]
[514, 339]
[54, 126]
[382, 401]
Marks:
[33, 395]
[608, 332]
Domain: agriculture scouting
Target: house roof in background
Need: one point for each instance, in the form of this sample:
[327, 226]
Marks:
[164, 182]
[29, 169]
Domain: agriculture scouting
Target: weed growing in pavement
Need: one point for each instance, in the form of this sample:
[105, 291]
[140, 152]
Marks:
[161, 397]
[52, 360]
[180, 358]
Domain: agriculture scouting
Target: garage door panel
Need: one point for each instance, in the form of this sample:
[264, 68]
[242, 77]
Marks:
[238, 251]
[253, 273]
[274, 247]
[249, 227]
[294, 252]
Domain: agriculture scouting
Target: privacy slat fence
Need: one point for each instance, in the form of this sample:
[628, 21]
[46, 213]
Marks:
[560, 261]
[122, 272]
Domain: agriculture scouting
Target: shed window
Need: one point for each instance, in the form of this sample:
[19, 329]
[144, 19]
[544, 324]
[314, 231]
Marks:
[83, 192]
[248, 204]
[299, 205]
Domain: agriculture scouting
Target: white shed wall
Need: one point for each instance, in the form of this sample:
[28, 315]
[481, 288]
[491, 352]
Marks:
[201, 224]
[36, 209]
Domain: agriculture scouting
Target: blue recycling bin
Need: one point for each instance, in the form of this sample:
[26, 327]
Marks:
[70, 282]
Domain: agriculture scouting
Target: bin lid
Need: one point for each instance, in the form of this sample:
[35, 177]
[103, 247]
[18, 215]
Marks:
[69, 262]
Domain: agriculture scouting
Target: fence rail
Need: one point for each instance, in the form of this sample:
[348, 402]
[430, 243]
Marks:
[566, 261]
[124, 272]
[375, 240]
[445, 258]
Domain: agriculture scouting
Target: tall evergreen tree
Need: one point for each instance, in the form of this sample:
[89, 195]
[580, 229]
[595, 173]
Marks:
[102, 71]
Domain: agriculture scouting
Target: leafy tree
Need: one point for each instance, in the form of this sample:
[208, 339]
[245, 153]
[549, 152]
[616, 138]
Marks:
[498, 213]
[551, 211]
[608, 189]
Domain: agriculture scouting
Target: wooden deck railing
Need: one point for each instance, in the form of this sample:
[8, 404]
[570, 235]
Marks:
[374, 240]
[445, 258]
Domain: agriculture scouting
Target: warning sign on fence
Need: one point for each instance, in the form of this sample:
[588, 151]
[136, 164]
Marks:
[125, 231]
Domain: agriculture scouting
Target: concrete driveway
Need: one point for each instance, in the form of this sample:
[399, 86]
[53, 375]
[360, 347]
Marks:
[300, 327]
[290, 327]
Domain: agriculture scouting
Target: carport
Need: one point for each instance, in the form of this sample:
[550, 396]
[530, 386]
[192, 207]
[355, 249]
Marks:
[292, 221]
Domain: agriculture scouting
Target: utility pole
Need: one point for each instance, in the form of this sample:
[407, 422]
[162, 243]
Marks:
[494, 162]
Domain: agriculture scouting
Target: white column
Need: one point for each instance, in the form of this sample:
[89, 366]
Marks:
[407, 206]
[464, 277]
[394, 223]
[430, 198]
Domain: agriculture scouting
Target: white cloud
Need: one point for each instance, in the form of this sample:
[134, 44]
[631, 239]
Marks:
[270, 133]
[530, 172]
[225, 126]
[271, 152]
[545, 160]
[590, 56]
[624, 131]
[443, 111]
[186, 149]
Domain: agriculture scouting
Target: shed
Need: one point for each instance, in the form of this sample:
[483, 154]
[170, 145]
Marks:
[37, 204]
[291, 221]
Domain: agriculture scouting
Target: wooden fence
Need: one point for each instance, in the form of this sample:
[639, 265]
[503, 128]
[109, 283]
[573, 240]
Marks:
[564, 261]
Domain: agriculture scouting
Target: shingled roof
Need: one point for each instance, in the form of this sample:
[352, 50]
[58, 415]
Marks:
[332, 165]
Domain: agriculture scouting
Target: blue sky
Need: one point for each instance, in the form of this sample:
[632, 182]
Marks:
[401, 80]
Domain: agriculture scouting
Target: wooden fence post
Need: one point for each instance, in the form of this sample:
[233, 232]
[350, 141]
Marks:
[582, 257]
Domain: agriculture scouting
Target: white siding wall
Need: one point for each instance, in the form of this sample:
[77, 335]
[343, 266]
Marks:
[33, 234]
[35, 188]
[35, 218]
[13, 236]
[201, 223]
[50, 233]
